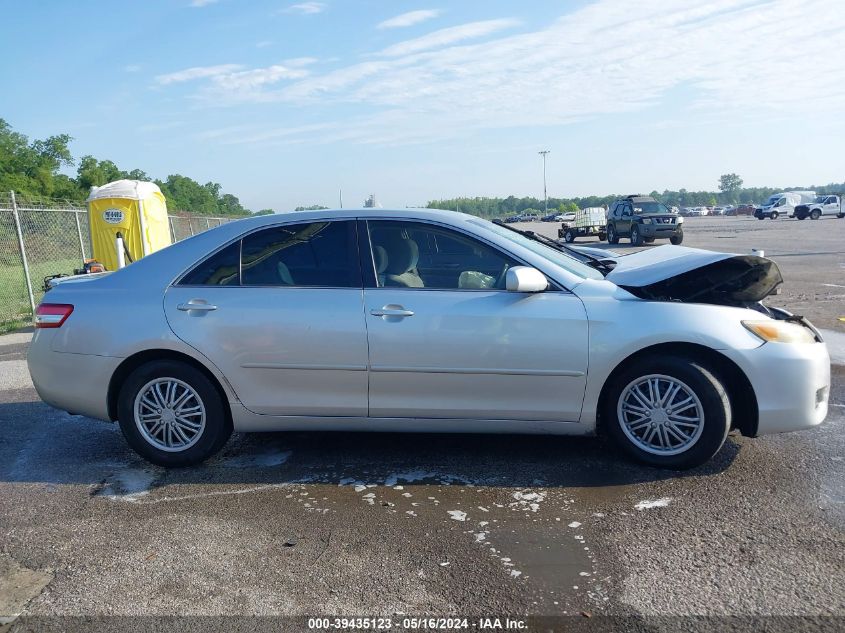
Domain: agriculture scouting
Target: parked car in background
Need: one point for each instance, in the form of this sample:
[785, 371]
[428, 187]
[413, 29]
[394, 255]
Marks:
[643, 219]
[423, 320]
[783, 204]
[743, 209]
[823, 205]
[551, 217]
[569, 216]
[718, 211]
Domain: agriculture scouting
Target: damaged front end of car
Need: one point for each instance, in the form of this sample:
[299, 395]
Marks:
[687, 275]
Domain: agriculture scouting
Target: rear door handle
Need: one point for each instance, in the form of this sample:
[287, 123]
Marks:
[200, 307]
[392, 311]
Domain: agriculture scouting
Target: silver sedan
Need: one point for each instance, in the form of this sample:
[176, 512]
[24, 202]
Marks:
[425, 320]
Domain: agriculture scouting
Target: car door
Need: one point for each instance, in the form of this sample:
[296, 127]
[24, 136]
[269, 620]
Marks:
[623, 224]
[279, 312]
[446, 340]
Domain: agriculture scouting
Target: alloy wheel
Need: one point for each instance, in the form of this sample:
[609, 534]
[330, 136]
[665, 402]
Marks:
[169, 414]
[660, 414]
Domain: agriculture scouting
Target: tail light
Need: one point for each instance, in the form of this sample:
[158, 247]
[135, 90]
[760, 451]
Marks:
[49, 315]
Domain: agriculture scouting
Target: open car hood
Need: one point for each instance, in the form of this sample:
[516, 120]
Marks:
[678, 273]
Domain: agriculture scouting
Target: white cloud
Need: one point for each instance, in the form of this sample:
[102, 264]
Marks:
[196, 72]
[408, 19]
[132, 68]
[306, 8]
[726, 58]
[250, 80]
[445, 37]
[201, 3]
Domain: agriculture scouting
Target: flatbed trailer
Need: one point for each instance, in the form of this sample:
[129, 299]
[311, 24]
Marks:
[590, 222]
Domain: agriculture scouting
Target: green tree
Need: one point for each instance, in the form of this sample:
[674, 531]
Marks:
[95, 173]
[31, 168]
[730, 183]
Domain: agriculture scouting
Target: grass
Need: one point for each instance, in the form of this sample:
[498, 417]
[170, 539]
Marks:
[15, 311]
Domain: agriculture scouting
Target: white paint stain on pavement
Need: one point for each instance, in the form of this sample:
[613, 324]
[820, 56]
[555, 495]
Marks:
[457, 515]
[653, 503]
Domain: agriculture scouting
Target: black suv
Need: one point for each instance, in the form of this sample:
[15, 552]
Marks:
[643, 219]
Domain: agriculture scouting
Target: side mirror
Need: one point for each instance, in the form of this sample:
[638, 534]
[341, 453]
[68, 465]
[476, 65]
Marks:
[525, 279]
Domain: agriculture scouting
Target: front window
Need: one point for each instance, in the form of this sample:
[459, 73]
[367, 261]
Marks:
[419, 255]
[558, 258]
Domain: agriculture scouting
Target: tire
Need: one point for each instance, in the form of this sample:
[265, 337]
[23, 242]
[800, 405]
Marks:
[840, 215]
[760, 217]
[602, 237]
[815, 214]
[801, 216]
[692, 444]
[636, 238]
[612, 237]
[677, 238]
[569, 237]
[774, 215]
[214, 427]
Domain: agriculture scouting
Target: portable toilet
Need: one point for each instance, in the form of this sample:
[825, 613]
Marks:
[132, 210]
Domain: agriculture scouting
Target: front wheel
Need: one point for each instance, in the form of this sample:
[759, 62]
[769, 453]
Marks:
[636, 238]
[602, 237]
[677, 238]
[171, 414]
[774, 215]
[569, 236]
[815, 214]
[667, 411]
[612, 236]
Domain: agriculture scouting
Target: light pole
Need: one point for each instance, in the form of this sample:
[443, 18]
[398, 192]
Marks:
[545, 195]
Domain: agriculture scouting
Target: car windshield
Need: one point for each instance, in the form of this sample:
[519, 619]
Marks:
[821, 198]
[772, 200]
[650, 206]
[556, 257]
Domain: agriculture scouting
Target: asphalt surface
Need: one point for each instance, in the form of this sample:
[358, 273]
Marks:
[385, 525]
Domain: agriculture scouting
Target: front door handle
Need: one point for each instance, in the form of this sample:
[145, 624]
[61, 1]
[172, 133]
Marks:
[193, 304]
[392, 310]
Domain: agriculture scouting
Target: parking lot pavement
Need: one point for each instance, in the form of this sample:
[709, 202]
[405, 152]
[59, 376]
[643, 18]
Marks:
[384, 524]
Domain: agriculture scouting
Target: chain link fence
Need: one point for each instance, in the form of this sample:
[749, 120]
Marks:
[41, 237]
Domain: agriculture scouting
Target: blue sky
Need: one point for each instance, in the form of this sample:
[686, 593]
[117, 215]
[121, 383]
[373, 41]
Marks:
[285, 103]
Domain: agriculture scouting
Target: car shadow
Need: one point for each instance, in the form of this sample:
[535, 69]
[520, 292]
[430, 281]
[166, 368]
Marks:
[39, 444]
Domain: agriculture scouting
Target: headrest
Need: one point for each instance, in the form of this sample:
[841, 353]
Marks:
[380, 259]
[402, 255]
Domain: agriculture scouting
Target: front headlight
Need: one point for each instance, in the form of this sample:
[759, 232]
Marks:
[646, 220]
[680, 219]
[780, 331]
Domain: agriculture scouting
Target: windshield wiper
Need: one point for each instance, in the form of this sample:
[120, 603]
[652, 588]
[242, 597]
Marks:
[598, 263]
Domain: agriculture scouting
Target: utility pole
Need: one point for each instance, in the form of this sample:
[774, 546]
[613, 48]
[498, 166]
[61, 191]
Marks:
[341, 198]
[545, 195]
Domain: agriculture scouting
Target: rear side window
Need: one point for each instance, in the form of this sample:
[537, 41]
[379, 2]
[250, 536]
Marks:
[221, 269]
[310, 254]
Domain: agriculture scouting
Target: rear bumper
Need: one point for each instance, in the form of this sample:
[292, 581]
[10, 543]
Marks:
[76, 383]
[791, 384]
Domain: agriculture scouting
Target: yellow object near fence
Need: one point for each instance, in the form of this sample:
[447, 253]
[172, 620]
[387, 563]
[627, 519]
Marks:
[135, 209]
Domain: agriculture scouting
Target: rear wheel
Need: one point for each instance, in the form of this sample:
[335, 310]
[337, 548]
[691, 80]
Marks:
[569, 236]
[612, 236]
[602, 237]
[667, 411]
[636, 238]
[815, 214]
[171, 414]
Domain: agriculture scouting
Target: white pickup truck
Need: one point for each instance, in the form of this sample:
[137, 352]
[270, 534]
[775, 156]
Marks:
[826, 204]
